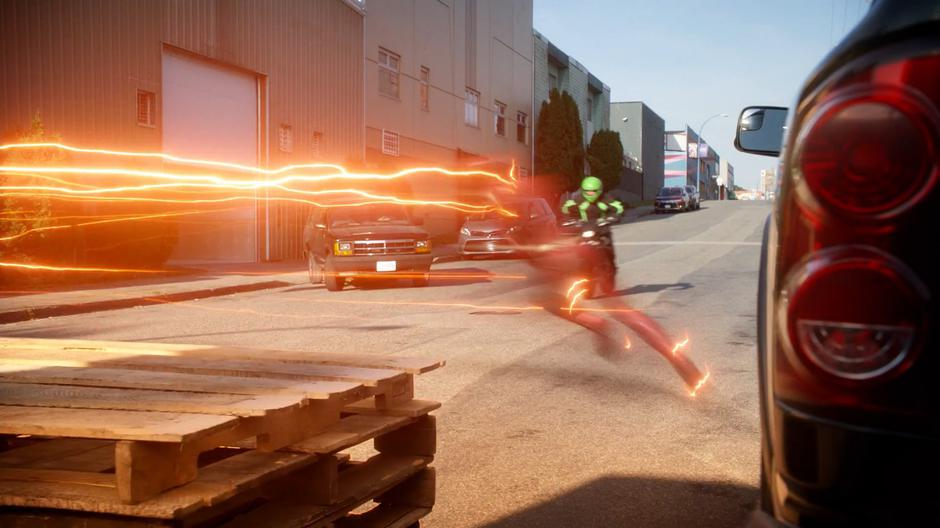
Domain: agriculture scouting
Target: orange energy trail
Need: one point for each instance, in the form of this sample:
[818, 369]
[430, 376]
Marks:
[679, 345]
[432, 304]
[573, 286]
[340, 172]
[43, 267]
[700, 384]
[370, 200]
[575, 300]
[98, 222]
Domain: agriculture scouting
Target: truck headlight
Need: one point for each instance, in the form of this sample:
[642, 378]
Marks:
[587, 234]
[342, 249]
[422, 246]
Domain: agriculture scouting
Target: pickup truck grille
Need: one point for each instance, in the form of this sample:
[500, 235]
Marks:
[383, 247]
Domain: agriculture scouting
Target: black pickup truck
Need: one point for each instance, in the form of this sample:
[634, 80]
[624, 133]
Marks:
[366, 242]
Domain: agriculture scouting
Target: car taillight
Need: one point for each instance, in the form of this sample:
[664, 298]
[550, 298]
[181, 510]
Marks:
[868, 152]
[854, 313]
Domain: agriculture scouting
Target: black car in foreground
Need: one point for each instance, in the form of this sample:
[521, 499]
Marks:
[366, 242]
[847, 315]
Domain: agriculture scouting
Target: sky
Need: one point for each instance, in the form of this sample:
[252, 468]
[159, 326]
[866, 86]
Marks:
[689, 60]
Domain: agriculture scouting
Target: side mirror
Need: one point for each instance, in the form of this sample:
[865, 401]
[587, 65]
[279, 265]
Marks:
[761, 129]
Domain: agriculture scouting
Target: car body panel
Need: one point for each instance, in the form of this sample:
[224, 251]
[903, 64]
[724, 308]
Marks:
[535, 223]
[836, 462]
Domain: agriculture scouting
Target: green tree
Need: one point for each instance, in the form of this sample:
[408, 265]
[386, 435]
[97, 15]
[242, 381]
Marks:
[605, 155]
[559, 147]
[20, 214]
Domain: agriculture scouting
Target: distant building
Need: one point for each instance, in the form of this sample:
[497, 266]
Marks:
[641, 134]
[725, 180]
[554, 69]
[768, 181]
[683, 152]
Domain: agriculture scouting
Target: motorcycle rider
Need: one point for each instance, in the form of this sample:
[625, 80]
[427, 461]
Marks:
[589, 205]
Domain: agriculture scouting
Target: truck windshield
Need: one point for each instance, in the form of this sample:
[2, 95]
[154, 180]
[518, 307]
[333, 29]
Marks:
[369, 214]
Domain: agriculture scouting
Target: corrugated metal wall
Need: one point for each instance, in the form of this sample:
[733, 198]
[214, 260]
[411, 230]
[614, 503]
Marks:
[80, 63]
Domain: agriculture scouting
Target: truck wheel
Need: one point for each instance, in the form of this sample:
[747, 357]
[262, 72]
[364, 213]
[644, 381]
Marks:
[422, 281]
[314, 269]
[332, 281]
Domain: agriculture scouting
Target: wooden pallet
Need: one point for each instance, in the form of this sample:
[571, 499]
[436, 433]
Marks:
[197, 435]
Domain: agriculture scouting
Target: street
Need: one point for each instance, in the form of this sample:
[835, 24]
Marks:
[536, 429]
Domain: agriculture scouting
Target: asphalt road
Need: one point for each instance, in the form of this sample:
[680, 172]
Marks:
[536, 428]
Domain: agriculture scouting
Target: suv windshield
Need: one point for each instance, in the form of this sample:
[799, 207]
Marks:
[670, 191]
[369, 214]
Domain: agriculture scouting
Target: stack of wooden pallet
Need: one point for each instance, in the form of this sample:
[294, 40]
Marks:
[130, 434]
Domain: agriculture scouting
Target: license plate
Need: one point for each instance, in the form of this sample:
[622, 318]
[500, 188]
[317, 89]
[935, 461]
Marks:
[385, 265]
[668, 206]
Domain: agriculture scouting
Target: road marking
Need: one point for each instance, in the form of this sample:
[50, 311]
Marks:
[687, 242]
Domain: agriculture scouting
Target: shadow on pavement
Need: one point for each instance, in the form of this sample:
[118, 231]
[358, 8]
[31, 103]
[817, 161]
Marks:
[651, 288]
[617, 501]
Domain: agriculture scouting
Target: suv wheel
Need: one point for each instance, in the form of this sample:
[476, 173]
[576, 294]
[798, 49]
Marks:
[314, 269]
[332, 281]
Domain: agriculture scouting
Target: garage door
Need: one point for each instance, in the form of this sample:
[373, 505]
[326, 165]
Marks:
[211, 112]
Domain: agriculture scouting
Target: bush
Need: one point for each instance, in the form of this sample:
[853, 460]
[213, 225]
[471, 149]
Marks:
[559, 146]
[605, 155]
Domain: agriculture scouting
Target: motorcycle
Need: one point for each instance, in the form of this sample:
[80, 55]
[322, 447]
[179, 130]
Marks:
[594, 250]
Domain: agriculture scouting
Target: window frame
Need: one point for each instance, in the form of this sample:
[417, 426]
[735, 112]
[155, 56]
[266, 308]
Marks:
[424, 88]
[499, 117]
[522, 120]
[386, 70]
[150, 98]
[471, 106]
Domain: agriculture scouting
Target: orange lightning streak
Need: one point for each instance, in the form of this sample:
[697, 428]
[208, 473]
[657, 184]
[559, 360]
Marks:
[700, 383]
[431, 304]
[679, 345]
[575, 299]
[371, 200]
[43, 267]
[341, 172]
[97, 222]
[573, 286]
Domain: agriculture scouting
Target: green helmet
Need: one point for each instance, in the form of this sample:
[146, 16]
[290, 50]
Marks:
[591, 188]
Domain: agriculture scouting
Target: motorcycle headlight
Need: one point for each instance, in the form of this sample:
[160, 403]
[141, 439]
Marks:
[587, 234]
[465, 231]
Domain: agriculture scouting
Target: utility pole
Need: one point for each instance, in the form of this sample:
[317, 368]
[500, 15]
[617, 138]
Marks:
[698, 152]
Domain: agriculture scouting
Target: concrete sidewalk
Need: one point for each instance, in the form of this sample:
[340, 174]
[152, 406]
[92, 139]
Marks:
[191, 283]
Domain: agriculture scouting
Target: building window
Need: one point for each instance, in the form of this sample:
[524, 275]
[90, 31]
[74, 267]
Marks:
[285, 138]
[146, 108]
[471, 108]
[552, 82]
[499, 118]
[388, 73]
[590, 109]
[425, 84]
[522, 128]
[390, 145]
[315, 144]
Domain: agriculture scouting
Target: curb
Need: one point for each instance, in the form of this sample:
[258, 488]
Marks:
[446, 258]
[28, 314]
